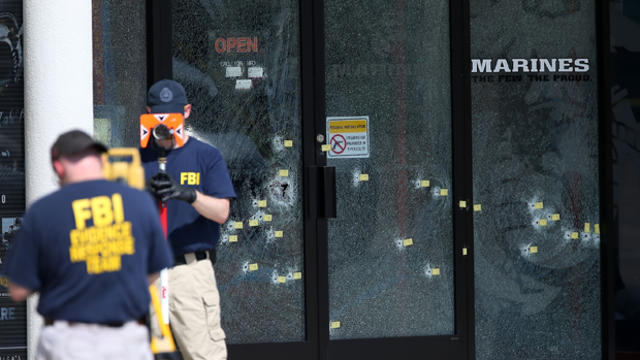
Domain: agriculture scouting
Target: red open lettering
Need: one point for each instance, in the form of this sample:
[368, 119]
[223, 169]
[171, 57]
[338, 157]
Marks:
[236, 45]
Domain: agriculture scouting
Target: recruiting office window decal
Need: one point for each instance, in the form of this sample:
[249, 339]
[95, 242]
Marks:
[531, 70]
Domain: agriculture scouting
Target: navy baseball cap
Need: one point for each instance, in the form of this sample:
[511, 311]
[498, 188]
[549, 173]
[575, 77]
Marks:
[166, 96]
[74, 142]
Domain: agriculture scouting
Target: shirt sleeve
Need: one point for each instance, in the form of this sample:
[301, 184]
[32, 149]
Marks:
[160, 254]
[217, 180]
[22, 266]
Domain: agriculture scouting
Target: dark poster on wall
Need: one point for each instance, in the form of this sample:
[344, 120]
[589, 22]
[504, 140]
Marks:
[13, 338]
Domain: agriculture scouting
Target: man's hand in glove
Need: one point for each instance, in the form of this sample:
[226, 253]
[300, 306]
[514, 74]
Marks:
[163, 187]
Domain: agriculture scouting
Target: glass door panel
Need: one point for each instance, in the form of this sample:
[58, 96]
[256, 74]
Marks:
[390, 249]
[239, 62]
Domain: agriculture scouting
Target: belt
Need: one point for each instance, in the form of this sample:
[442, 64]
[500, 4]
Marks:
[50, 321]
[191, 257]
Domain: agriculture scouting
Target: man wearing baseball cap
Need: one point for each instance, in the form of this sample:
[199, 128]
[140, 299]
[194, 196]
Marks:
[90, 249]
[197, 190]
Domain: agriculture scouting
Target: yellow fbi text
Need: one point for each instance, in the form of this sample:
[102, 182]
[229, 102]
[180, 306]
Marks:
[101, 245]
[190, 178]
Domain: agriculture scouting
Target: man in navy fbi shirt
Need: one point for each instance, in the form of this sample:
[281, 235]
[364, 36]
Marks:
[197, 190]
[90, 249]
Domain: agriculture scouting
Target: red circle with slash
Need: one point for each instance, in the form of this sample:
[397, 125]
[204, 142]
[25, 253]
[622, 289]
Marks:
[338, 144]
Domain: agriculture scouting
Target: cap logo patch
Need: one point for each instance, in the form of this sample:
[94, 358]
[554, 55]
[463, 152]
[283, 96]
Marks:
[166, 95]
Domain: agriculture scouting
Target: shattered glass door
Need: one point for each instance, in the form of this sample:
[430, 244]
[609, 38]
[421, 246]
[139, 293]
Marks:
[239, 62]
[389, 131]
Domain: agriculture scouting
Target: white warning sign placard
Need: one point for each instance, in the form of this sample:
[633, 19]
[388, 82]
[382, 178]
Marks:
[348, 137]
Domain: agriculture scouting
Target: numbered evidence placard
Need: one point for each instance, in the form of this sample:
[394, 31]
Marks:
[348, 137]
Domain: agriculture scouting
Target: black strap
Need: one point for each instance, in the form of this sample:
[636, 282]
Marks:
[200, 255]
[49, 321]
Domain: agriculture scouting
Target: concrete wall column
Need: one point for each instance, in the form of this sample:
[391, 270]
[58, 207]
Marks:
[58, 95]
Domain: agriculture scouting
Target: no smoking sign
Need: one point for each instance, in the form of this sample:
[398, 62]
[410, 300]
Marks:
[348, 137]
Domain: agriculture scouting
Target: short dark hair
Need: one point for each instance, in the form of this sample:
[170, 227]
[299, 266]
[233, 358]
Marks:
[75, 142]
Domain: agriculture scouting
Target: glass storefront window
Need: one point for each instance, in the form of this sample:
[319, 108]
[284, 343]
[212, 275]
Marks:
[535, 168]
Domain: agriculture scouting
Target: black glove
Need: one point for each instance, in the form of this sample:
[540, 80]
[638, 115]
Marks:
[163, 187]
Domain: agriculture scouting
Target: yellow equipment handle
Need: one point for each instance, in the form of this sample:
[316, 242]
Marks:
[123, 164]
[165, 343]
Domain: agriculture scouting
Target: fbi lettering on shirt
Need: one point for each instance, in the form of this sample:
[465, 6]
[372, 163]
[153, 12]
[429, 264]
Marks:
[102, 244]
[190, 178]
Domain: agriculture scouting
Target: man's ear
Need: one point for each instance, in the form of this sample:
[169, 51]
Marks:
[58, 168]
[187, 110]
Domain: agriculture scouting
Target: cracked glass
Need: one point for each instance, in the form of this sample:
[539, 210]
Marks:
[535, 168]
[239, 63]
[119, 71]
[391, 245]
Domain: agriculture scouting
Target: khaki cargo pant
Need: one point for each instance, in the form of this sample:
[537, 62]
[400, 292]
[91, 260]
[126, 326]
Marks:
[194, 310]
